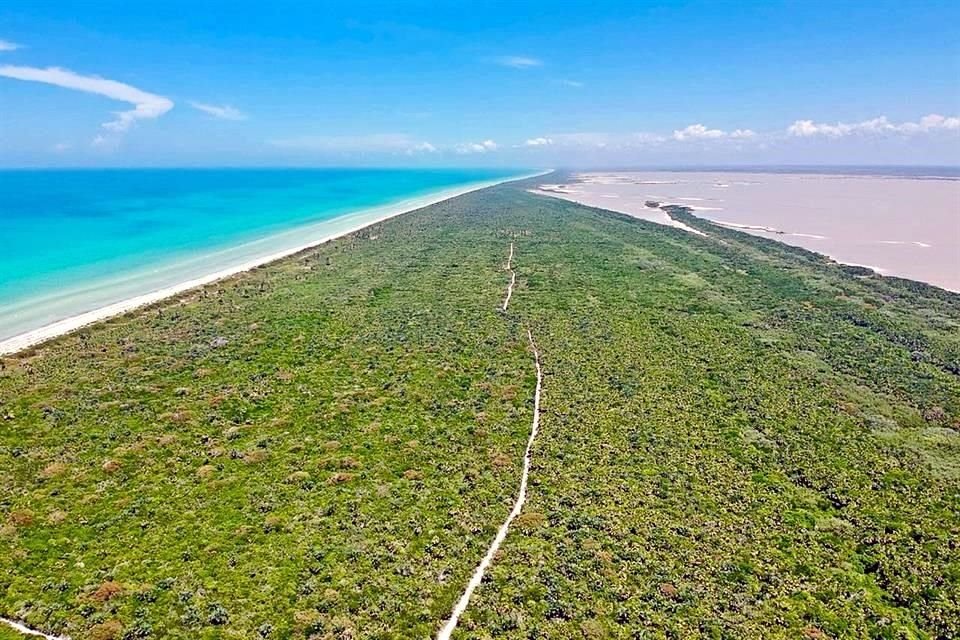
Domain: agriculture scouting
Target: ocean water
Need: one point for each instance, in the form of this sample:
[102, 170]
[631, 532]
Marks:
[75, 240]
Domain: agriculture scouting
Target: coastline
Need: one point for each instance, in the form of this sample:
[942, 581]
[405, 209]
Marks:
[361, 219]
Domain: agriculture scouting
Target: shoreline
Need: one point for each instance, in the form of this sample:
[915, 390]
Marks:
[33, 337]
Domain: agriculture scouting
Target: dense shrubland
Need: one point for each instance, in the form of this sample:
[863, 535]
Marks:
[739, 439]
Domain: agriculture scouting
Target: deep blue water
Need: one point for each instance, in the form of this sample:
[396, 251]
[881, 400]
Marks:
[63, 229]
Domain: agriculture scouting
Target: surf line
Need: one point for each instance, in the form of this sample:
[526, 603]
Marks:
[27, 631]
[481, 569]
[513, 280]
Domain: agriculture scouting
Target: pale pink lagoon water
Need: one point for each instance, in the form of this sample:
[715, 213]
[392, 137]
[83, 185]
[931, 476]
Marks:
[902, 226]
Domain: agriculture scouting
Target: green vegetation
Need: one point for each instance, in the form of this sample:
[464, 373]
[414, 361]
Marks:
[739, 439]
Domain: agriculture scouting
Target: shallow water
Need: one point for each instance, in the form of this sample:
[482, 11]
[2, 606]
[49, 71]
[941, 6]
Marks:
[75, 240]
[908, 226]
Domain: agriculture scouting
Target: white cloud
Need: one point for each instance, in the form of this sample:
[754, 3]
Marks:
[743, 134]
[225, 112]
[697, 132]
[518, 62]
[146, 105]
[6, 45]
[538, 142]
[476, 147]
[875, 126]
[422, 147]
[572, 83]
[372, 143]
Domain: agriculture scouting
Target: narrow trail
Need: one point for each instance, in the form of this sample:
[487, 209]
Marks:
[481, 569]
[27, 631]
[513, 279]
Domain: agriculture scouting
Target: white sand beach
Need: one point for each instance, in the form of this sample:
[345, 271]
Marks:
[138, 290]
[901, 226]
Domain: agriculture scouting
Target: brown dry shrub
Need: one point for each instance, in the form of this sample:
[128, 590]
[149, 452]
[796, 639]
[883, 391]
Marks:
[413, 474]
[53, 470]
[530, 520]
[298, 477]
[592, 629]
[348, 462]
[176, 417]
[508, 391]
[331, 445]
[107, 591]
[56, 517]
[255, 457]
[305, 619]
[500, 460]
[109, 630]
[134, 447]
[217, 452]
[814, 633]
[206, 471]
[667, 590]
[166, 439]
[21, 518]
[341, 477]
[110, 466]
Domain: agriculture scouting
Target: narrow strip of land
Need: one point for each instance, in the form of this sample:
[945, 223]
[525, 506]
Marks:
[481, 569]
[27, 631]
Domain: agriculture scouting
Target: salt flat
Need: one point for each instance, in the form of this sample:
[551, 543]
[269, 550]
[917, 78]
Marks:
[901, 226]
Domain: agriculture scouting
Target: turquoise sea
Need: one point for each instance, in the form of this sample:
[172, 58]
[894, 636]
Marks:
[76, 240]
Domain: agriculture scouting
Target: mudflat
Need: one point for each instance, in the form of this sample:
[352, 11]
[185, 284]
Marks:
[901, 226]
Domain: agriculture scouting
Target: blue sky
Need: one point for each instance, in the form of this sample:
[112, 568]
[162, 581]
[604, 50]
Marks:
[417, 83]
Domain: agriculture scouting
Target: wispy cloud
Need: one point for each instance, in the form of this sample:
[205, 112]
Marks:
[422, 147]
[875, 126]
[373, 143]
[6, 45]
[146, 105]
[517, 62]
[576, 84]
[697, 132]
[476, 147]
[701, 132]
[225, 112]
[538, 142]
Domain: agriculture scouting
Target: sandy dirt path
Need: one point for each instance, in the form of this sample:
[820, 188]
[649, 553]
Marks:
[513, 279]
[27, 631]
[481, 569]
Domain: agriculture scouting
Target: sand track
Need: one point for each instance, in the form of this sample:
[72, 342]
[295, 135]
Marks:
[513, 280]
[481, 569]
[27, 631]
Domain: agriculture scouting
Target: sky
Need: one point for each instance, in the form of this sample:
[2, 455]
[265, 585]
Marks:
[556, 83]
